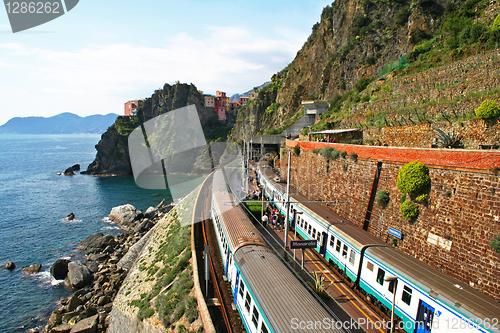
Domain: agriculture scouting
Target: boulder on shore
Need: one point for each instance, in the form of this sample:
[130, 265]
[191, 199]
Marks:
[150, 212]
[59, 269]
[10, 265]
[84, 244]
[33, 269]
[76, 167]
[78, 275]
[88, 325]
[99, 244]
[125, 214]
[70, 217]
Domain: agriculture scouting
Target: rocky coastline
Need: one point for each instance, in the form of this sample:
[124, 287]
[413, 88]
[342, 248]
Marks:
[97, 280]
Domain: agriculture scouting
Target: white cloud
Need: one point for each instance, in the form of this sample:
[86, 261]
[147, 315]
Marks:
[100, 78]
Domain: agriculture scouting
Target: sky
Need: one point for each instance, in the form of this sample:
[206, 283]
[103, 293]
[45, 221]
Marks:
[103, 53]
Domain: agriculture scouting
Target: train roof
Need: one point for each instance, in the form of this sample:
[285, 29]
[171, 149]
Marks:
[218, 181]
[455, 293]
[357, 236]
[280, 295]
[240, 231]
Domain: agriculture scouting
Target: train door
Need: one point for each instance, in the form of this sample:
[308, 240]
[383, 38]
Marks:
[236, 287]
[294, 216]
[424, 318]
[322, 249]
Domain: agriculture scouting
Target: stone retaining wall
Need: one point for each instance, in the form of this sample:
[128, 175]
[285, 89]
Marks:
[462, 215]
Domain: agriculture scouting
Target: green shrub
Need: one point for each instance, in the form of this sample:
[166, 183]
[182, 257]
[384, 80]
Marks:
[422, 198]
[296, 150]
[409, 210]
[382, 198]
[402, 17]
[488, 109]
[394, 241]
[326, 152]
[353, 156]
[413, 178]
[403, 198]
[495, 244]
[496, 23]
[335, 154]
[362, 83]
[343, 154]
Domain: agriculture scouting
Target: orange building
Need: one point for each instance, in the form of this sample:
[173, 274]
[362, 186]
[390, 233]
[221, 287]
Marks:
[131, 108]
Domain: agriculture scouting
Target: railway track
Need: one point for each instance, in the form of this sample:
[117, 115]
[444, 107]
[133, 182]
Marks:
[218, 295]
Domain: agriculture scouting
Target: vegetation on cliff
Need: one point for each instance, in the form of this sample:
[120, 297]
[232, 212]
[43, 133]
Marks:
[112, 151]
[158, 292]
[358, 56]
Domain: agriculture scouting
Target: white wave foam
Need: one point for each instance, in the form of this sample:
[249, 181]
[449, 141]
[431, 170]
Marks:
[107, 220]
[46, 279]
[111, 228]
[75, 221]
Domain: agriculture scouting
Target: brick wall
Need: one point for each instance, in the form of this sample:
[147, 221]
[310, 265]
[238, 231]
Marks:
[463, 209]
[473, 132]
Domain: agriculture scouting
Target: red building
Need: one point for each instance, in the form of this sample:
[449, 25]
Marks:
[131, 108]
[221, 103]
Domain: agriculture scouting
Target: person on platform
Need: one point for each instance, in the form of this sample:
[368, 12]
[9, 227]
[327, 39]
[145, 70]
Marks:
[265, 219]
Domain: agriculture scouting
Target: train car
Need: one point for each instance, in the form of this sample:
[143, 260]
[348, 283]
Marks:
[426, 298]
[268, 297]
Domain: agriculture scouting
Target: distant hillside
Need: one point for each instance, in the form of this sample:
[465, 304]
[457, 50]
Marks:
[64, 123]
[236, 97]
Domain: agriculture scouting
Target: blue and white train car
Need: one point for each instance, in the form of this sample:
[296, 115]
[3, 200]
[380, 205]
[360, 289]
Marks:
[426, 299]
[269, 298]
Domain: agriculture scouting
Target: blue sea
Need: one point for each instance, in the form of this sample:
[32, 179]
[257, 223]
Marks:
[34, 201]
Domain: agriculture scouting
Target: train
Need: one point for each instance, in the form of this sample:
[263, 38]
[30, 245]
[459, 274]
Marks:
[426, 299]
[267, 295]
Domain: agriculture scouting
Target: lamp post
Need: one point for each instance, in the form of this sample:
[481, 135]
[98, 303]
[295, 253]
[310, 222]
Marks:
[395, 280]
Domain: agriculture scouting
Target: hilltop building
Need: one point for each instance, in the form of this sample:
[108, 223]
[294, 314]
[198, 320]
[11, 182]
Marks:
[131, 107]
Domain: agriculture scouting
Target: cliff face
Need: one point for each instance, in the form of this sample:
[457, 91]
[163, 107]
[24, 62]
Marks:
[354, 39]
[112, 155]
[112, 150]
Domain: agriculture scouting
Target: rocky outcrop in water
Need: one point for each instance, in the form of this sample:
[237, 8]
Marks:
[33, 269]
[10, 265]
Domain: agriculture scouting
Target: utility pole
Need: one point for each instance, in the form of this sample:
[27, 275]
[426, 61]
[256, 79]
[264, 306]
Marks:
[287, 201]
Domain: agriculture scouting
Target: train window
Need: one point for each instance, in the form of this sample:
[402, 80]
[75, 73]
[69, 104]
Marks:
[344, 251]
[305, 228]
[391, 286]
[314, 233]
[406, 295]
[318, 236]
[369, 265]
[352, 257]
[338, 245]
[264, 329]
[255, 316]
[242, 288]
[248, 300]
[380, 276]
[309, 229]
[332, 241]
